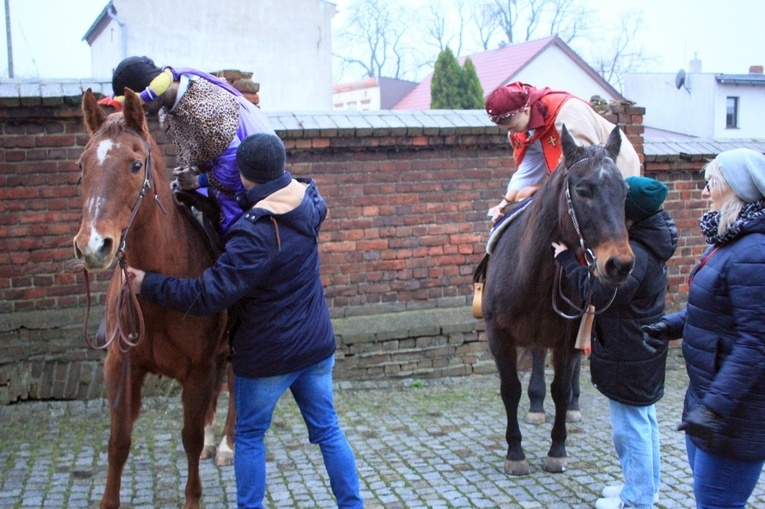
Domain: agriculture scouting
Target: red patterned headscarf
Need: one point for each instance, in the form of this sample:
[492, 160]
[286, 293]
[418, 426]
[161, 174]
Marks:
[513, 97]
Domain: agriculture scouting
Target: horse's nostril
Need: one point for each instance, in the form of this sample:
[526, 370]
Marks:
[77, 252]
[105, 249]
[619, 269]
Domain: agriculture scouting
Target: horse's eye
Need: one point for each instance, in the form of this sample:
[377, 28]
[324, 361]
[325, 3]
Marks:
[584, 192]
[136, 167]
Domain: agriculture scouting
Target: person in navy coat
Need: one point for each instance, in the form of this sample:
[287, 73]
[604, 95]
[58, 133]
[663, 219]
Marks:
[723, 331]
[269, 279]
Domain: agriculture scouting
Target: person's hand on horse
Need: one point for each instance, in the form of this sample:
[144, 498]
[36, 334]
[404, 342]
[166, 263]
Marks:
[558, 248]
[496, 213]
[186, 178]
[135, 278]
[702, 423]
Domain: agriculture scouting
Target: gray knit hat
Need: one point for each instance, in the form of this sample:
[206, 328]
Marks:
[260, 157]
[744, 171]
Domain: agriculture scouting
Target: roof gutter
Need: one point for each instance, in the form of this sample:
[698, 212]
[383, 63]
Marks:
[112, 13]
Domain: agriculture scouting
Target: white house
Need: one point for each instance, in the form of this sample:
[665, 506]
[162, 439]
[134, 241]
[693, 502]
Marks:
[371, 94]
[286, 44]
[707, 105]
[547, 62]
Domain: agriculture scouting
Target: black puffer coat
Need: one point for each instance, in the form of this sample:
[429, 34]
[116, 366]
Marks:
[622, 368]
[723, 330]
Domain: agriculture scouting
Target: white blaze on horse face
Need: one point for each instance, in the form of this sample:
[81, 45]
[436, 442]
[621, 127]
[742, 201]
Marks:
[95, 241]
[103, 150]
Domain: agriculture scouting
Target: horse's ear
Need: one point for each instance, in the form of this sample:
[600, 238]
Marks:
[92, 113]
[570, 148]
[132, 112]
[614, 143]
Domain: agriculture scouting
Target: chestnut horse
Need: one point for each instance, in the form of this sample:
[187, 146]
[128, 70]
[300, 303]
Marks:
[582, 205]
[129, 213]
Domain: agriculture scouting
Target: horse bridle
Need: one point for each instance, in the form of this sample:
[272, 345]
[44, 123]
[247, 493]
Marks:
[589, 257]
[128, 334]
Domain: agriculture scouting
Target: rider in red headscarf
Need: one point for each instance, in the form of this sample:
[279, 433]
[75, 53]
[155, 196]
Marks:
[533, 118]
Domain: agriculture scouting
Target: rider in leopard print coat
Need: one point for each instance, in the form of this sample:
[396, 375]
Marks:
[208, 119]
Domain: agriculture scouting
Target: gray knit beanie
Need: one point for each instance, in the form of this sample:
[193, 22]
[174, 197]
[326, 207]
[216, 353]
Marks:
[260, 157]
[744, 171]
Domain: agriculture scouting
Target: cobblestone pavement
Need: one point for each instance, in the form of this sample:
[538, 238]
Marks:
[419, 444]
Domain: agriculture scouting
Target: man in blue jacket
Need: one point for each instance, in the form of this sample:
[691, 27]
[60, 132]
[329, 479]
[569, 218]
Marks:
[268, 277]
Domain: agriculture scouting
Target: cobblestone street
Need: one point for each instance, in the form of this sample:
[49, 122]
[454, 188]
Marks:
[418, 444]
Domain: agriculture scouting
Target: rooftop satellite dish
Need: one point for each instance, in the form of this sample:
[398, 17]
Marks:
[680, 80]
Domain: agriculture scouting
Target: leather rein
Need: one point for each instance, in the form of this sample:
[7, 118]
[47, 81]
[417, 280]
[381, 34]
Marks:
[130, 327]
[589, 258]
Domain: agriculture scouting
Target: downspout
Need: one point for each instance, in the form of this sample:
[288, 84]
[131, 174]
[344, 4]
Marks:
[112, 13]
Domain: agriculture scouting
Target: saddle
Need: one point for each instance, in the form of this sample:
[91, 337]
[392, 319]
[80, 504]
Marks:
[511, 212]
[203, 213]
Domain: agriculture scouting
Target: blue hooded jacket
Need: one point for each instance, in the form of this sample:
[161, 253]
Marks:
[269, 278]
[723, 331]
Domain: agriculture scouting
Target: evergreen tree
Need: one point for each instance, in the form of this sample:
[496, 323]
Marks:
[445, 87]
[472, 91]
[453, 87]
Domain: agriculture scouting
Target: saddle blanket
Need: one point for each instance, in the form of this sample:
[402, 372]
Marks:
[502, 224]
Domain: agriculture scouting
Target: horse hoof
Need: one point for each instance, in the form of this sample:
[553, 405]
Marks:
[555, 465]
[207, 452]
[517, 467]
[536, 418]
[573, 416]
[224, 458]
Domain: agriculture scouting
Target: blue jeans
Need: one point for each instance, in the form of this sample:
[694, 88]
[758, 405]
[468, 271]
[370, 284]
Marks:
[255, 401]
[721, 483]
[636, 439]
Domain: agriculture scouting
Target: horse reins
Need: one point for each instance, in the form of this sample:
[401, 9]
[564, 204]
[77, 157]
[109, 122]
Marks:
[129, 333]
[589, 258]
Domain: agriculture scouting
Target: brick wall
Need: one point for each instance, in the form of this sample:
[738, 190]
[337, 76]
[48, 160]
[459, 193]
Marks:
[407, 192]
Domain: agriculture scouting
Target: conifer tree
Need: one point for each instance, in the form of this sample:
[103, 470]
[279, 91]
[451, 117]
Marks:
[445, 93]
[472, 91]
[453, 87]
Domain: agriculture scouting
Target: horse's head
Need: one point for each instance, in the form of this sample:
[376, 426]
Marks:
[115, 167]
[595, 195]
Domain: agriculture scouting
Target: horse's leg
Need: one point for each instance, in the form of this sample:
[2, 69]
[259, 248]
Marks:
[198, 391]
[225, 455]
[123, 392]
[537, 387]
[208, 449]
[505, 356]
[560, 390]
[573, 413]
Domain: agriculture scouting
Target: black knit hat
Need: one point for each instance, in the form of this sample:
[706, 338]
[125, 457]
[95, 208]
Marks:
[260, 157]
[134, 73]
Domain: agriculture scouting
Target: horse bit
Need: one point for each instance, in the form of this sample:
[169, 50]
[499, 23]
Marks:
[132, 331]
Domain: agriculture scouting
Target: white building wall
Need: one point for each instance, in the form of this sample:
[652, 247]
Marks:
[286, 44]
[555, 69]
[751, 111]
[362, 99]
[699, 107]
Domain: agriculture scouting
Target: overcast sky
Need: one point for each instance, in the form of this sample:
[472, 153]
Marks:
[728, 36]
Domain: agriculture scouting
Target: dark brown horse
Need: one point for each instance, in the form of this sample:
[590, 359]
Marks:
[129, 213]
[582, 205]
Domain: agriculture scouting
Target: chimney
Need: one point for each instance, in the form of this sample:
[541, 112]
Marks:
[695, 64]
[755, 69]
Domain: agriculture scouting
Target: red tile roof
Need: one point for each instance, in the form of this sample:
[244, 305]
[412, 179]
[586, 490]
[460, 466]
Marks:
[493, 67]
[498, 67]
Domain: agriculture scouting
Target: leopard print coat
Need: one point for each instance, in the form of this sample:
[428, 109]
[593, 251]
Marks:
[203, 123]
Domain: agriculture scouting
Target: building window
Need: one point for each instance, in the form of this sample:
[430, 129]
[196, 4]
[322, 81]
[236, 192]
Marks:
[731, 113]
